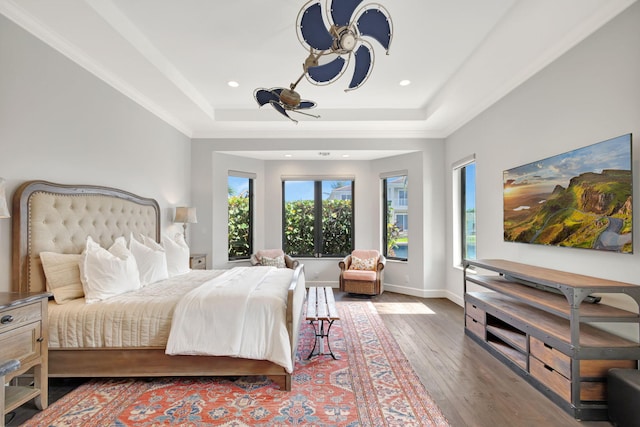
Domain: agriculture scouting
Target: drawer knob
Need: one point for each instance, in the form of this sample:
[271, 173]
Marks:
[40, 339]
[6, 319]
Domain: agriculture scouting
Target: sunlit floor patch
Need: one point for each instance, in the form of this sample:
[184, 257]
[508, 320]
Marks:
[402, 308]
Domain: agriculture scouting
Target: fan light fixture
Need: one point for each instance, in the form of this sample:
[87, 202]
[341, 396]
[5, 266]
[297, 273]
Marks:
[331, 49]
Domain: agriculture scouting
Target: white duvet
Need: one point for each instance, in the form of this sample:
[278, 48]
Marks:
[241, 313]
[231, 326]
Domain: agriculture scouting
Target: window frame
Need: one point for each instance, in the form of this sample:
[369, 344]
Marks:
[318, 241]
[385, 204]
[460, 231]
[250, 195]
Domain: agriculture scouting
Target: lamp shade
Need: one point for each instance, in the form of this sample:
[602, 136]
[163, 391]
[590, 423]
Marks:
[4, 209]
[186, 215]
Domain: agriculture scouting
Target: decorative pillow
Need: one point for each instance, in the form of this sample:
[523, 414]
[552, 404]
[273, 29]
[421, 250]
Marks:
[63, 275]
[273, 262]
[177, 253]
[151, 260]
[362, 264]
[105, 274]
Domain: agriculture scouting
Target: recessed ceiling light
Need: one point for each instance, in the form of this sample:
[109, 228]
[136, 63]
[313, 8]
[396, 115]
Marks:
[233, 83]
[345, 155]
[405, 82]
[288, 155]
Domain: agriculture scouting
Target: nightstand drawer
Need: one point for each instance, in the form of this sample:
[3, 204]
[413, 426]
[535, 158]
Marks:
[15, 317]
[21, 343]
[198, 262]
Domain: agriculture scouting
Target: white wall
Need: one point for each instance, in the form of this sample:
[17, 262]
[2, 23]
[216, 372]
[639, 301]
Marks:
[590, 94]
[61, 124]
[424, 166]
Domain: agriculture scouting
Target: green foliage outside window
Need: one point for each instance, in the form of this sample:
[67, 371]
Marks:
[336, 227]
[393, 233]
[239, 227]
[337, 223]
[299, 227]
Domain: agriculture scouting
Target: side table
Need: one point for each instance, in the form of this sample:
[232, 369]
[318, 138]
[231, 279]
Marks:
[198, 261]
[24, 338]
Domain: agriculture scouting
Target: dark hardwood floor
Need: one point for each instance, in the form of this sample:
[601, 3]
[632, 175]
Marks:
[471, 387]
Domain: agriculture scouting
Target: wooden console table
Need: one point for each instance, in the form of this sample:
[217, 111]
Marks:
[534, 320]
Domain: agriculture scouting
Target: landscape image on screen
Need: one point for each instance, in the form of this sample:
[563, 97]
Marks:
[580, 199]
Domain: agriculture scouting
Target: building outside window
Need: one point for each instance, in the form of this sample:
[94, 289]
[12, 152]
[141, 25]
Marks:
[317, 217]
[240, 216]
[395, 217]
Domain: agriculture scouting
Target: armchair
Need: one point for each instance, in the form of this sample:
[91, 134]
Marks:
[362, 272]
[272, 256]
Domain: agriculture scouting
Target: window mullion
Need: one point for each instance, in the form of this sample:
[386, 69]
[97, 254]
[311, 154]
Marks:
[317, 210]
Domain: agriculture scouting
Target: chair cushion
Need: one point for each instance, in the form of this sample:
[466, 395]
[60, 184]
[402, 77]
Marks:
[364, 254]
[364, 275]
[269, 253]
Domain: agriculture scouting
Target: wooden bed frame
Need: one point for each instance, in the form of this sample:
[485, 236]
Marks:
[58, 218]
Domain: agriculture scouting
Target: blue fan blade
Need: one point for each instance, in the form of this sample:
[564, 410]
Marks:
[313, 28]
[342, 11]
[263, 96]
[280, 109]
[362, 68]
[304, 104]
[374, 23]
[327, 72]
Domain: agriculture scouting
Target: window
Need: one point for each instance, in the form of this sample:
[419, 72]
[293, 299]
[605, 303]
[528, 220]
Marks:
[464, 210]
[240, 202]
[317, 217]
[395, 217]
[402, 197]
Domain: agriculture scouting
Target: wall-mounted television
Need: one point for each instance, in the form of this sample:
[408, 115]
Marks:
[579, 199]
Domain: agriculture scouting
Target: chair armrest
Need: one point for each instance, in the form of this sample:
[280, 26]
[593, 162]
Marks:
[291, 263]
[382, 261]
[345, 263]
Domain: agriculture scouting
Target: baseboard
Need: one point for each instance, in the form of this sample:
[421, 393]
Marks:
[329, 283]
[420, 293]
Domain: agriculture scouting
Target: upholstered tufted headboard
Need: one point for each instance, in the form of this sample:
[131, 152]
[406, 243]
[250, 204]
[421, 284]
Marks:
[58, 218]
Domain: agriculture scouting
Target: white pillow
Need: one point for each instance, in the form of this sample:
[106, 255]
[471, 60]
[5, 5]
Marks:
[177, 253]
[151, 260]
[105, 274]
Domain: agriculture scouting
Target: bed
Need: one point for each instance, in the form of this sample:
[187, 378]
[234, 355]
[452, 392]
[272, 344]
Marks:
[49, 217]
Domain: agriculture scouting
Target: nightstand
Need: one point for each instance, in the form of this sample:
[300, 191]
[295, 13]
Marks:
[198, 261]
[23, 337]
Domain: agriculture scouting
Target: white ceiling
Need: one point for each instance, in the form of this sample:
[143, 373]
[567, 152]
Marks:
[175, 57]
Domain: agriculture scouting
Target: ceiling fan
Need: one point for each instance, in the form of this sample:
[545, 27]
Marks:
[284, 101]
[341, 34]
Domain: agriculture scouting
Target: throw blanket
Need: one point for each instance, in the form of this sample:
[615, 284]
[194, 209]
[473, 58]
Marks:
[241, 313]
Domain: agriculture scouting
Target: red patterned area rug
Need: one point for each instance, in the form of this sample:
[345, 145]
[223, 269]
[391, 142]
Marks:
[371, 384]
